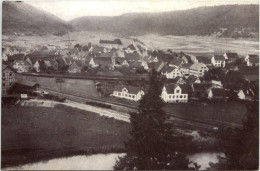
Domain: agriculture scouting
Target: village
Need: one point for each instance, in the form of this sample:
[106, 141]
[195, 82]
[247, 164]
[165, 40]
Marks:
[188, 77]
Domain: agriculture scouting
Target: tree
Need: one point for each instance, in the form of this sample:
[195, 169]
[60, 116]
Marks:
[241, 147]
[214, 74]
[233, 80]
[153, 144]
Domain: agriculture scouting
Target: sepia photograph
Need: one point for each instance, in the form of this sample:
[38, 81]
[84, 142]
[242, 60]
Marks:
[130, 85]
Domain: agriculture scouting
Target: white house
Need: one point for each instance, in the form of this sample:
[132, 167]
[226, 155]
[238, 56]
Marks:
[218, 61]
[116, 43]
[175, 93]
[172, 72]
[198, 69]
[241, 95]
[21, 66]
[36, 66]
[128, 92]
[252, 60]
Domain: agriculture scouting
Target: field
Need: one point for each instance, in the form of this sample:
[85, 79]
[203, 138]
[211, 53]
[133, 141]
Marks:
[196, 45]
[230, 112]
[31, 134]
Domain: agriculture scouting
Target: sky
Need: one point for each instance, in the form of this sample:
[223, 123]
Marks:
[69, 9]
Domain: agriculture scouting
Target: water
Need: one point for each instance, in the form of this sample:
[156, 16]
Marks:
[204, 158]
[103, 162]
[93, 162]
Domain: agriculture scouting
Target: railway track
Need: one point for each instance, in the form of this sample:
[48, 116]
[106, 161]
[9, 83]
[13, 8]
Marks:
[88, 77]
[208, 124]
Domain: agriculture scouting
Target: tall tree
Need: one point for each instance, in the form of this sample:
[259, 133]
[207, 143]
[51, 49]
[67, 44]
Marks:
[152, 144]
[241, 147]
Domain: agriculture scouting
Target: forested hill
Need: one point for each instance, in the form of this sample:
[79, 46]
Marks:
[196, 21]
[19, 17]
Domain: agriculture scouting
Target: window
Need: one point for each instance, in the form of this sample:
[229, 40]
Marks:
[177, 91]
[119, 94]
[173, 96]
[125, 95]
[177, 96]
[180, 96]
[170, 96]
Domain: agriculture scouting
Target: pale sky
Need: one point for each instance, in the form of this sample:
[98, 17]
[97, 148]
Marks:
[69, 9]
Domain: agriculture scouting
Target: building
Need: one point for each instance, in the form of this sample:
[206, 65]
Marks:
[75, 67]
[185, 69]
[138, 65]
[121, 62]
[8, 78]
[176, 93]
[176, 62]
[21, 66]
[205, 60]
[172, 72]
[198, 69]
[252, 60]
[218, 61]
[102, 62]
[132, 57]
[128, 92]
[230, 57]
[116, 43]
[217, 93]
[200, 90]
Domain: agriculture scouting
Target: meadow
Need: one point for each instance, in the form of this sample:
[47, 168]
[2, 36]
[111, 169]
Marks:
[31, 134]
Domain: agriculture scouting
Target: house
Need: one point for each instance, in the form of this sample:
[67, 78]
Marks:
[252, 60]
[251, 56]
[185, 69]
[150, 59]
[198, 69]
[98, 49]
[218, 61]
[102, 62]
[217, 93]
[18, 57]
[200, 90]
[132, 57]
[116, 43]
[176, 62]
[216, 84]
[128, 92]
[75, 67]
[132, 49]
[121, 62]
[205, 60]
[230, 57]
[171, 72]
[138, 65]
[241, 95]
[192, 79]
[8, 78]
[21, 66]
[176, 93]
[159, 66]
[54, 64]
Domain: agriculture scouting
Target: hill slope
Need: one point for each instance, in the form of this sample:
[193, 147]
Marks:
[197, 21]
[20, 17]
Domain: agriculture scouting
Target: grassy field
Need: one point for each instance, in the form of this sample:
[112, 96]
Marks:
[231, 111]
[31, 134]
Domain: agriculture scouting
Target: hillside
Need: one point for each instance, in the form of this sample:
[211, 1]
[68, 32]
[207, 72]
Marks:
[197, 21]
[19, 17]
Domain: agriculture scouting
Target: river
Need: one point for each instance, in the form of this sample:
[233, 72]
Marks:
[103, 162]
